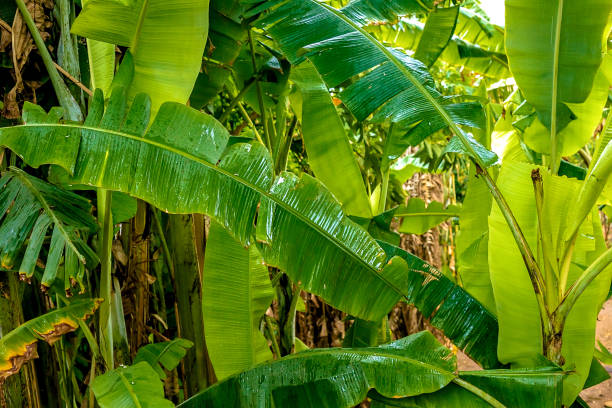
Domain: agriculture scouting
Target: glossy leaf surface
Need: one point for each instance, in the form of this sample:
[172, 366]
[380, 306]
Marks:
[236, 294]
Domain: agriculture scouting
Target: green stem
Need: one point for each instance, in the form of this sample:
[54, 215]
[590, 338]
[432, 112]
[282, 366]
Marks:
[64, 96]
[235, 101]
[530, 262]
[478, 392]
[585, 279]
[162, 239]
[105, 241]
[248, 120]
[382, 200]
[262, 107]
[281, 158]
[272, 336]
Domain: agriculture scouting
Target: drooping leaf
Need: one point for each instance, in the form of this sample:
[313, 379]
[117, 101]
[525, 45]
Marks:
[438, 31]
[393, 85]
[28, 208]
[19, 346]
[461, 317]
[136, 386]
[487, 157]
[337, 377]
[543, 42]
[513, 388]
[329, 151]
[167, 69]
[166, 355]
[417, 218]
[236, 294]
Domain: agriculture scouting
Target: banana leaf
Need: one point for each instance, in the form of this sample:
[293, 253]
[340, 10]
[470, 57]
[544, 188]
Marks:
[540, 388]
[136, 386]
[19, 346]
[520, 339]
[329, 150]
[172, 166]
[418, 218]
[101, 58]
[28, 208]
[376, 11]
[236, 294]
[437, 33]
[226, 38]
[166, 355]
[544, 40]
[167, 69]
[337, 377]
[393, 86]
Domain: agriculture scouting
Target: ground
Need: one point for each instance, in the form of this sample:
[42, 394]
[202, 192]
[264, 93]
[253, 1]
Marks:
[601, 395]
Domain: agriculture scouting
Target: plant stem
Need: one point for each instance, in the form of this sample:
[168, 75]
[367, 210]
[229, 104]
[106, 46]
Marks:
[530, 262]
[579, 286]
[64, 96]
[105, 241]
[270, 330]
[382, 200]
[236, 99]
[478, 392]
[262, 107]
[281, 158]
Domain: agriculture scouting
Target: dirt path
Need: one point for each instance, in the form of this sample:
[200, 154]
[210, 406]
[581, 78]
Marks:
[598, 396]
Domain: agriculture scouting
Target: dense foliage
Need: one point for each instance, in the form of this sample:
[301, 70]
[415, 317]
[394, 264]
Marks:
[185, 172]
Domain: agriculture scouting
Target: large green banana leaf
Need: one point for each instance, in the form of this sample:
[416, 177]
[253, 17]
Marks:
[417, 218]
[19, 346]
[337, 377]
[545, 40]
[437, 33]
[136, 386]
[520, 339]
[101, 58]
[236, 294]
[28, 208]
[473, 240]
[579, 131]
[393, 85]
[513, 388]
[167, 69]
[329, 150]
[375, 11]
[462, 318]
[172, 167]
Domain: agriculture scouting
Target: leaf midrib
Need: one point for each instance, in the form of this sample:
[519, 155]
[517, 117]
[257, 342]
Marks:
[230, 175]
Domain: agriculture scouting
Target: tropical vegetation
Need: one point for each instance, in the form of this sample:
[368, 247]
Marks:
[179, 174]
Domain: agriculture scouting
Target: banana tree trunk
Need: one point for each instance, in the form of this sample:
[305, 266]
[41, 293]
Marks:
[186, 242]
